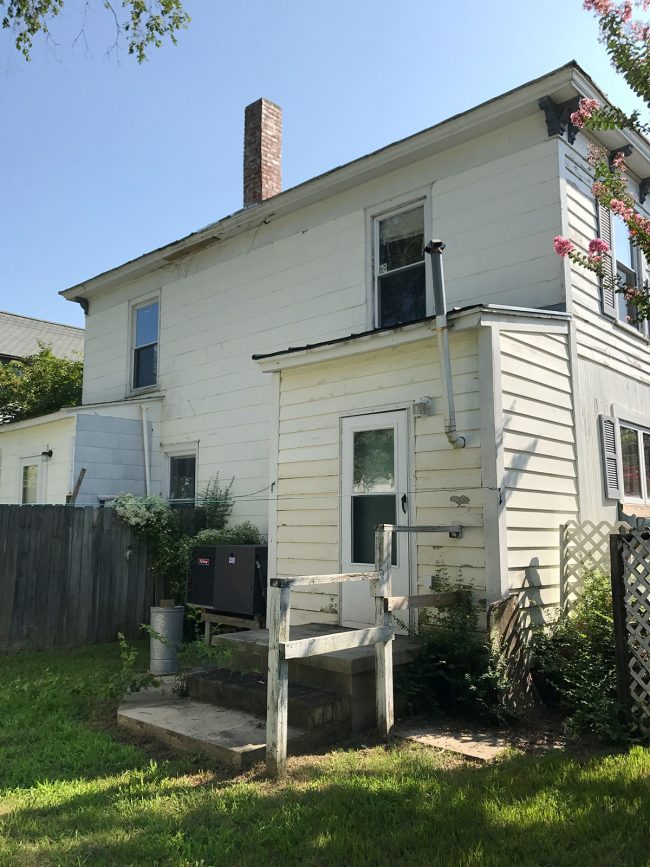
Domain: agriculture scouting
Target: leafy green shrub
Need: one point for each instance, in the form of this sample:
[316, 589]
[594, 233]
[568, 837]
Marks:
[38, 385]
[216, 502]
[577, 659]
[455, 670]
[238, 534]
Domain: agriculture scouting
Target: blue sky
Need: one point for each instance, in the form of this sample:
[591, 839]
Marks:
[103, 160]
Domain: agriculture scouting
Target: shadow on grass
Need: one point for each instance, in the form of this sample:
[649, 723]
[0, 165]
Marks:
[375, 807]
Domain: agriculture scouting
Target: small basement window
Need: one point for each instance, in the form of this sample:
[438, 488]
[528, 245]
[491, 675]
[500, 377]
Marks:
[145, 345]
[400, 275]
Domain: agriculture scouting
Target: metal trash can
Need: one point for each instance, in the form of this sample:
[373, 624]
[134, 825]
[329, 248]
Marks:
[168, 623]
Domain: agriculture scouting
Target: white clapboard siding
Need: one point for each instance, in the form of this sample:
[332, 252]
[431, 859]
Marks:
[28, 440]
[539, 459]
[314, 397]
[302, 278]
[599, 338]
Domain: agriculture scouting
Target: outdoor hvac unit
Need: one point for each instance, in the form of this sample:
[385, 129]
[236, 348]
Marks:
[231, 579]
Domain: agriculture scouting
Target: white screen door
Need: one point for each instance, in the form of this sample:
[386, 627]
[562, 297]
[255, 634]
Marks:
[374, 489]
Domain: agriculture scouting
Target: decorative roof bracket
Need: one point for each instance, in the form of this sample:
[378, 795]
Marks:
[644, 189]
[626, 150]
[558, 116]
[84, 303]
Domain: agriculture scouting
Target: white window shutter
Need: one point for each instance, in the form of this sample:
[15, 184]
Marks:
[611, 471]
[608, 294]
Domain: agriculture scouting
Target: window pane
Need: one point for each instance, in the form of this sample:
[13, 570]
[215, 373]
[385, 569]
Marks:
[30, 484]
[626, 310]
[401, 240]
[622, 246]
[374, 461]
[367, 512]
[144, 366]
[402, 296]
[646, 457]
[631, 462]
[146, 325]
[182, 478]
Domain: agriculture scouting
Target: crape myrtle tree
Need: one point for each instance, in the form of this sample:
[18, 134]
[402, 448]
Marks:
[143, 23]
[625, 32]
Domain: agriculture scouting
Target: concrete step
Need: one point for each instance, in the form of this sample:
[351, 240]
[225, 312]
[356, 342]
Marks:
[309, 708]
[348, 674]
[234, 738]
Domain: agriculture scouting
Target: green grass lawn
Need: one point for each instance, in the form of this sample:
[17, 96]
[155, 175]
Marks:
[72, 792]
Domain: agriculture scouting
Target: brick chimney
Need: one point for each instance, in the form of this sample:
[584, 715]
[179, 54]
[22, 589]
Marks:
[262, 151]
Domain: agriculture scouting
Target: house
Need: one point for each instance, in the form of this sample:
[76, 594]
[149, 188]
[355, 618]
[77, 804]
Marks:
[21, 336]
[294, 346]
[28, 472]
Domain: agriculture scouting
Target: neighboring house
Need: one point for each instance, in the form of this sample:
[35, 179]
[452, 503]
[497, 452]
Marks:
[337, 422]
[21, 336]
[28, 472]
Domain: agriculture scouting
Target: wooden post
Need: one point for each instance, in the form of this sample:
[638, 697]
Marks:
[384, 649]
[278, 682]
[617, 555]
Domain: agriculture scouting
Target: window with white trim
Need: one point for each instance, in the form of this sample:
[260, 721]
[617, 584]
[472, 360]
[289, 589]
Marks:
[624, 261]
[626, 459]
[30, 480]
[629, 271]
[635, 462]
[400, 282]
[182, 477]
[145, 345]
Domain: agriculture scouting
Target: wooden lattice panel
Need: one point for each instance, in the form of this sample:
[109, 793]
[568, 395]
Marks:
[584, 545]
[635, 549]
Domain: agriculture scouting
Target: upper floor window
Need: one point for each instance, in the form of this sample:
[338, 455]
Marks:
[145, 345]
[399, 269]
[629, 271]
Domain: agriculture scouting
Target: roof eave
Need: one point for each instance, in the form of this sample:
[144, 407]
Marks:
[518, 102]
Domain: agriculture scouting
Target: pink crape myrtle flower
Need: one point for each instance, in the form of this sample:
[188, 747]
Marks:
[562, 246]
[586, 107]
[597, 247]
[602, 7]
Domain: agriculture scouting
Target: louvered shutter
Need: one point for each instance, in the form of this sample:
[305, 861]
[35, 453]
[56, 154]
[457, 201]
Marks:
[607, 292]
[611, 466]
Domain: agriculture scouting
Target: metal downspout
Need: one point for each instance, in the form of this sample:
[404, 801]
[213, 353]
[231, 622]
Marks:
[434, 249]
[145, 445]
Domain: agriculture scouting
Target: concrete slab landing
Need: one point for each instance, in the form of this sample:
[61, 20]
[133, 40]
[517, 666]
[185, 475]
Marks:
[468, 742]
[233, 737]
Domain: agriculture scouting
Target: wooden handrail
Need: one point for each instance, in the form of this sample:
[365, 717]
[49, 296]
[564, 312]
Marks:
[308, 580]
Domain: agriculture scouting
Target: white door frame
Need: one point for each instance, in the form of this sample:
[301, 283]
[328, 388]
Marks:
[399, 418]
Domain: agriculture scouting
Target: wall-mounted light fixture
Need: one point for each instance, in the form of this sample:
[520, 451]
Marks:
[47, 454]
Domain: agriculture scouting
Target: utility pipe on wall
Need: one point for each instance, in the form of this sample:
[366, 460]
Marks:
[434, 249]
[145, 445]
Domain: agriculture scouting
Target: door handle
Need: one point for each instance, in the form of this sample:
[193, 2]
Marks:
[404, 501]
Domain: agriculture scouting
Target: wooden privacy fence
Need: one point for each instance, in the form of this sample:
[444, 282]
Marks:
[69, 576]
[281, 649]
[630, 562]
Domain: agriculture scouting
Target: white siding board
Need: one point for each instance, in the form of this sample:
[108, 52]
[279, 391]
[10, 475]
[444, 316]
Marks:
[540, 475]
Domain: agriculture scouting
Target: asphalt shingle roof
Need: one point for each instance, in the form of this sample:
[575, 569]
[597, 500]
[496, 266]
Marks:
[20, 336]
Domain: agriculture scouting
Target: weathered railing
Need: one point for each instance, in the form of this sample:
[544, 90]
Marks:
[282, 649]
